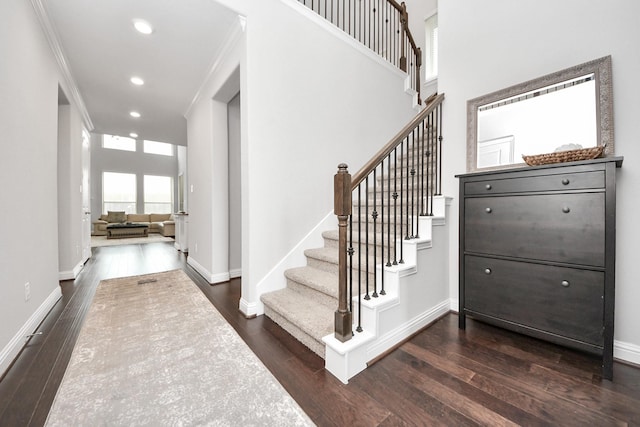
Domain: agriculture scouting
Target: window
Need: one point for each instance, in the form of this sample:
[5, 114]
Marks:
[162, 148]
[118, 143]
[431, 55]
[158, 194]
[118, 192]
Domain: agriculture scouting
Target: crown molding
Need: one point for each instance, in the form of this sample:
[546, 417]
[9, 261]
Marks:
[63, 65]
[230, 40]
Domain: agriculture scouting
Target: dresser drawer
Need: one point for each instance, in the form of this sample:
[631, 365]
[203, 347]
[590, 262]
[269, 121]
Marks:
[567, 228]
[552, 182]
[559, 300]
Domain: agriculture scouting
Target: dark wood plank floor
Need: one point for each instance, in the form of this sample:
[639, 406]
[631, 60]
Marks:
[442, 376]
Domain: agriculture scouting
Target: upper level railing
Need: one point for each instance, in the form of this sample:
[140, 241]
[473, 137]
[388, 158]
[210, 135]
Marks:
[380, 206]
[381, 25]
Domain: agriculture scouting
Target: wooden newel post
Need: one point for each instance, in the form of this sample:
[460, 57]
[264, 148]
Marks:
[342, 209]
[404, 21]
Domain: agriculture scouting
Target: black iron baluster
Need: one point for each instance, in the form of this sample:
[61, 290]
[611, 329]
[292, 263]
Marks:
[440, 150]
[359, 328]
[416, 189]
[350, 252]
[413, 183]
[407, 234]
[374, 215]
[432, 172]
[428, 154]
[421, 154]
[366, 237]
[389, 210]
[395, 206]
[402, 195]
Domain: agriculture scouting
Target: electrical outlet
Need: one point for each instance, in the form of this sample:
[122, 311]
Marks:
[27, 291]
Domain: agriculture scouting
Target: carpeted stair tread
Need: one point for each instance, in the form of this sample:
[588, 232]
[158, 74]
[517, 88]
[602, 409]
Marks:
[318, 280]
[311, 317]
[329, 255]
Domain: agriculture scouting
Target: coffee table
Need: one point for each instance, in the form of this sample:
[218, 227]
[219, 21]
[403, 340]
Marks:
[124, 230]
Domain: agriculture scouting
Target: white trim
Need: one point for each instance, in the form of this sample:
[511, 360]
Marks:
[454, 305]
[231, 38]
[71, 274]
[275, 278]
[11, 350]
[235, 273]
[56, 48]
[626, 351]
[211, 278]
[249, 309]
[407, 329]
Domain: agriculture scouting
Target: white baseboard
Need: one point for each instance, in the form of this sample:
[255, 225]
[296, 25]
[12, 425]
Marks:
[407, 329]
[626, 351]
[249, 309]
[211, 278]
[11, 350]
[235, 273]
[71, 274]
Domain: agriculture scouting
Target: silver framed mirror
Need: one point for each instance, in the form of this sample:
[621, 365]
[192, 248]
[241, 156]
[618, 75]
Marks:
[568, 109]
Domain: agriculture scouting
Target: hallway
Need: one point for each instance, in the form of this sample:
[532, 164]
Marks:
[442, 376]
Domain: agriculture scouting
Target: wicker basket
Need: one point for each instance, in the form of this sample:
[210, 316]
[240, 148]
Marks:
[564, 156]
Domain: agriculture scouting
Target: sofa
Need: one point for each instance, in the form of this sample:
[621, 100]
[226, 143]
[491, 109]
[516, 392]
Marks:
[158, 223]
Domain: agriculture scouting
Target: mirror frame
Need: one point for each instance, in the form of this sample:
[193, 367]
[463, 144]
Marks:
[601, 68]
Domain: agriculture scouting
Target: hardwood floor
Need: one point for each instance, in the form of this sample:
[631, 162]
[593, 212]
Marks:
[442, 376]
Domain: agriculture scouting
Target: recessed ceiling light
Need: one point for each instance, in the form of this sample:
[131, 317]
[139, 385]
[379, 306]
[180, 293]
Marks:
[133, 135]
[137, 81]
[134, 114]
[142, 26]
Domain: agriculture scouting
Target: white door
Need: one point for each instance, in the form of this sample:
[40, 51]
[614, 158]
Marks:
[86, 199]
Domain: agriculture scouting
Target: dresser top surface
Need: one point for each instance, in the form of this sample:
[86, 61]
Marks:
[617, 160]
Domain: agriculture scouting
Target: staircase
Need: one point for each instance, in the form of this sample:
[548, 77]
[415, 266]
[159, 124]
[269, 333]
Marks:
[305, 307]
[376, 280]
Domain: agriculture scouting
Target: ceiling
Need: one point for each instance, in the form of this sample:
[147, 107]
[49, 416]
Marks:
[103, 51]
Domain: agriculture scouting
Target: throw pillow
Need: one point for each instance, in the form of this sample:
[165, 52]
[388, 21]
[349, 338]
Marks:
[116, 216]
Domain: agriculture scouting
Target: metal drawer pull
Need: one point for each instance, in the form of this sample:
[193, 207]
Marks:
[488, 186]
[565, 283]
[488, 210]
[566, 209]
[487, 271]
[565, 181]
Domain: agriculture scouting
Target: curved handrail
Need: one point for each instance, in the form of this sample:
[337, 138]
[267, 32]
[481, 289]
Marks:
[365, 170]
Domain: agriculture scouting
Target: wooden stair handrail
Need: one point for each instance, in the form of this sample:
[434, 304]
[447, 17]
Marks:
[360, 176]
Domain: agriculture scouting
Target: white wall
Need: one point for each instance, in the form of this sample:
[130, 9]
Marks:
[28, 171]
[69, 141]
[235, 187]
[332, 102]
[489, 45]
[207, 130]
[138, 162]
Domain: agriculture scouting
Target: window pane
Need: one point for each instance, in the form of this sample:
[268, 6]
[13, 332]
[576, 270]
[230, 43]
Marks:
[118, 142]
[158, 194]
[162, 148]
[431, 54]
[118, 192]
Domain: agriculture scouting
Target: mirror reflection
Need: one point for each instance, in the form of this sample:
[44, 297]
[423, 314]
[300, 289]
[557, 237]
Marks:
[554, 118]
[566, 110]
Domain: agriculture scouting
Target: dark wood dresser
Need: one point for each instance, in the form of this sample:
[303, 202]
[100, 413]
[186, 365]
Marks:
[537, 252]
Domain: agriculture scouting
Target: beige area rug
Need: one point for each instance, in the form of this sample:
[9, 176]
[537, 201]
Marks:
[97, 241]
[153, 351]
